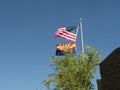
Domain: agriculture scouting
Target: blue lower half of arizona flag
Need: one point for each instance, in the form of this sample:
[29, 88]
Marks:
[60, 52]
[63, 48]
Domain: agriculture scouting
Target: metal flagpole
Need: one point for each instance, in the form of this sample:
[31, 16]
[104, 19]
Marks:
[81, 33]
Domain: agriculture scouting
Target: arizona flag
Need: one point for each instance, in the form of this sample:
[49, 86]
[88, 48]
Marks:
[63, 48]
[68, 33]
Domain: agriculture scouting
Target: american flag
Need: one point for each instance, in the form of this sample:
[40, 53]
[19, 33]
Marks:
[68, 33]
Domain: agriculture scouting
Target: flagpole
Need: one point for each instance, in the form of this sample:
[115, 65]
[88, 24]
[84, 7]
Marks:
[81, 33]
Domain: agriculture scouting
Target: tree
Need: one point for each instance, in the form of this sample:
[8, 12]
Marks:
[71, 72]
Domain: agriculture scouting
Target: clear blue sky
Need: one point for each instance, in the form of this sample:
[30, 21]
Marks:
[27, 40]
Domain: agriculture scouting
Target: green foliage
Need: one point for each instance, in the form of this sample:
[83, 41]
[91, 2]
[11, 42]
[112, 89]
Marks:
[71, 72]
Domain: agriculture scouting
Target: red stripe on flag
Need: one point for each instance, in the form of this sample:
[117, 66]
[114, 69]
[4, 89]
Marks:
[65, 34]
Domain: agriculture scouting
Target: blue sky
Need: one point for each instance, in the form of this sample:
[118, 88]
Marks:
[27, 40]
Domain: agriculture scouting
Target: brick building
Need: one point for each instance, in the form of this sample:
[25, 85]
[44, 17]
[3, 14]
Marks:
[110, 72]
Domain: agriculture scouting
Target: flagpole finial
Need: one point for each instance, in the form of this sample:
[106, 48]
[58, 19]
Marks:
[80, 19]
